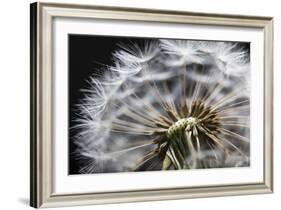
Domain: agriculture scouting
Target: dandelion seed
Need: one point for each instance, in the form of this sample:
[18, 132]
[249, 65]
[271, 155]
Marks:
[167, 105]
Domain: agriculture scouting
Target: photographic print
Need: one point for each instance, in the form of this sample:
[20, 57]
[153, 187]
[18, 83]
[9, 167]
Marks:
[142, 104]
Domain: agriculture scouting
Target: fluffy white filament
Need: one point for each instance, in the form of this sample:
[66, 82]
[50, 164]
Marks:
[123, 111]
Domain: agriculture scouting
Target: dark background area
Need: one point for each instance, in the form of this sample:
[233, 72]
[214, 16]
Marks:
[87, 54]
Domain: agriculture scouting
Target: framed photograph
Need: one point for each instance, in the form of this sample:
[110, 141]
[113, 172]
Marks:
[138, 105]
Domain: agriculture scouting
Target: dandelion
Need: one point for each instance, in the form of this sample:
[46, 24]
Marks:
[166, 105]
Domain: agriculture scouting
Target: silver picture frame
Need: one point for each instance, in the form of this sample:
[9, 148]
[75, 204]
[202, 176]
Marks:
[41, 143]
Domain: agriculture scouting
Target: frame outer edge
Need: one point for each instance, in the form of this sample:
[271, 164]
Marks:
[46, 103]
[33, 105]
[269, 105]
[144, 11]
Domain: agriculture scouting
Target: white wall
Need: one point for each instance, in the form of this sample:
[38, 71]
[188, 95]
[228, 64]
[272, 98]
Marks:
[14, 104]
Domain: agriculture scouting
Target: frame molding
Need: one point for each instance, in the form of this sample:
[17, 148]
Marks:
[41, 20]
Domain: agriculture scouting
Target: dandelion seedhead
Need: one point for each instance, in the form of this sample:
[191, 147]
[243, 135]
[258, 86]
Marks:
[166, 105]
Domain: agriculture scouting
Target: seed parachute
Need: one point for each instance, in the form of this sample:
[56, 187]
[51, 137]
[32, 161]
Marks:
[166, 105]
